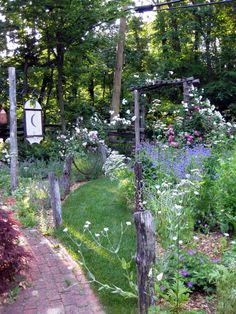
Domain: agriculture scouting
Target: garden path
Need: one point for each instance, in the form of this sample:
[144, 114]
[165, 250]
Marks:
[56, 283]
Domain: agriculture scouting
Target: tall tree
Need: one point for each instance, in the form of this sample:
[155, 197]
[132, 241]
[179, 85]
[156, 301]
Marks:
[115, 105]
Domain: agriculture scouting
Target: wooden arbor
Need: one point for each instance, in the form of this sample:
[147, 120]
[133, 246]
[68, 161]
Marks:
[139, 110]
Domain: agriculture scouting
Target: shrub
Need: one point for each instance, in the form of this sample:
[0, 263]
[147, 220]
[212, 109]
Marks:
[13, 257]
[194, 122]
[32, 197]
[225, 280]
[225, 194]
[88, 167]
[125, 177]
[192, 266]
[114, 163]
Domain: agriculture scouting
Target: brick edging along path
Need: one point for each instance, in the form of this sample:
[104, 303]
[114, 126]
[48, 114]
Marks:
[57, 284]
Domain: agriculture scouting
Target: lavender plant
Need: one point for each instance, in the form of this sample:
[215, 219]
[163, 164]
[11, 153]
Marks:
[161, 162]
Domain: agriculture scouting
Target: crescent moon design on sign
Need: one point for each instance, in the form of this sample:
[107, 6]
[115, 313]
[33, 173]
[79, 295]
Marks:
[32, 120]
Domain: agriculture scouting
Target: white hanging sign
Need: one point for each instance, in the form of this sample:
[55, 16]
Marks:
[33, 121]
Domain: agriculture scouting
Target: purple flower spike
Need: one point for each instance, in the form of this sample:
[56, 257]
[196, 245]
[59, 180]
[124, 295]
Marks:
[190, 252]
[185, 273]
[189, 284]
[215, 260]
[163, 288]
[182, 258]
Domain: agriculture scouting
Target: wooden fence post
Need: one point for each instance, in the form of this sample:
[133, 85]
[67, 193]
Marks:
[146, 244]
[102, 151]
[13, 129]
[186, 90]
[137, 121]
[55, 199]
[67, 175]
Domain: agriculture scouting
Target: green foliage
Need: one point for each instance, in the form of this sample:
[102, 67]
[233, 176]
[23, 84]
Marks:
[125, 179]
[192, 266]
[225, 194]
[228, 258]
[171, 217]
[225, 280]
[89, 167]
[176, 294]
[5, 184]
[39, 168]
[47, 149]
[216, 203]
[31, 198]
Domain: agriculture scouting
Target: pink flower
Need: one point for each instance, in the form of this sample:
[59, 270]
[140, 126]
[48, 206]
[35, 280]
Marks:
[170, 130]
[170, 138]
[197, 108]
[174, 144]
[188, 143]
[196, 133]
[186, 135]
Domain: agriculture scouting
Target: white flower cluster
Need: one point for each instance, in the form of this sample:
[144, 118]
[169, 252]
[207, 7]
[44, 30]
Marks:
[117, 121]
[4, 151]
[154, 106]
[77, 140]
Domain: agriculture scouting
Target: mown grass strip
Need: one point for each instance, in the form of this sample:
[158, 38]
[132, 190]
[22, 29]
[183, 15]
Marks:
[101, 203]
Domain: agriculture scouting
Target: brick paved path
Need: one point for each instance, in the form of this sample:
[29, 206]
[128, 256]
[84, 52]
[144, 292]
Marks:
[57, 284]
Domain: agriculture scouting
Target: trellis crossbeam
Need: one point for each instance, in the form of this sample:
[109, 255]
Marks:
[160, 83]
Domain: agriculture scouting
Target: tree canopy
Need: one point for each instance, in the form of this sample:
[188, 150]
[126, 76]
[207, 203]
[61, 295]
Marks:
[65, 53]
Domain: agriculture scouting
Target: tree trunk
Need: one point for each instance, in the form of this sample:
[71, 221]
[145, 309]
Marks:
[91, 89]
[60, 64]
[25, 82]
[175, 36]
[163, 34]
[115, 105]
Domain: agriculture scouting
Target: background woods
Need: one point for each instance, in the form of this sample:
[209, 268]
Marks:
[65, 53]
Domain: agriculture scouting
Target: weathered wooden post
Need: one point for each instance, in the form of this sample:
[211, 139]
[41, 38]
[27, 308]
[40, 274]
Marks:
[137, 120]
[13, 129]
[55, 199]
[67, 175]
[145, 256]
[102, 151]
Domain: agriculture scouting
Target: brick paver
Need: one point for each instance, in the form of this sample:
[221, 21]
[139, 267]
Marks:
[57, 283]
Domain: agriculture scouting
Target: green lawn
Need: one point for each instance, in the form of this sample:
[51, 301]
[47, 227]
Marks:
[101, 203]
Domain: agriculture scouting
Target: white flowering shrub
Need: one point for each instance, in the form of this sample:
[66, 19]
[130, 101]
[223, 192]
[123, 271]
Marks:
[195, 122]
[170, 204]
[124, 122]
[4, 151]
[78, 141]
[114, 163]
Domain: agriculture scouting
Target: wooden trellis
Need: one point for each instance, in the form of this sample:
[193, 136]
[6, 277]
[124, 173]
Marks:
[139, 110]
